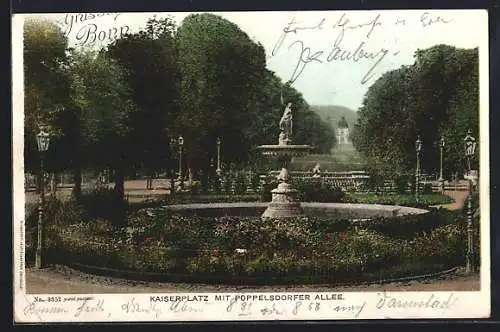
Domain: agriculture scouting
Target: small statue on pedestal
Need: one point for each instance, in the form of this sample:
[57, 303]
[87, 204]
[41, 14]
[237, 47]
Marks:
[316, 171]
[286, 124]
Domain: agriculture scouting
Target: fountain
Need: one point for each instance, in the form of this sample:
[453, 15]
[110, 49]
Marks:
[284, 201]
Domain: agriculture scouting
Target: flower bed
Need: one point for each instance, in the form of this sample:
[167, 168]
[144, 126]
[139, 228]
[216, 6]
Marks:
[246, 250]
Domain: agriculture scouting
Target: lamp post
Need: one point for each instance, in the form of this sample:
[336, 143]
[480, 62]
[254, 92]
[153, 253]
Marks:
[418, 149]
[43, 141]
[441, 179]
[173, 144]
[218, 170]
[470, 149]
[180, 142]
[211, 182]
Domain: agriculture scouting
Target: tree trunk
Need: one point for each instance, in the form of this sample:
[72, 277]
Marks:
[77, 187]
[119, 183]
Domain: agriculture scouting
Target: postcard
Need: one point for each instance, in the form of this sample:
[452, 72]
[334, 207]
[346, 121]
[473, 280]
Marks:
[243, 166]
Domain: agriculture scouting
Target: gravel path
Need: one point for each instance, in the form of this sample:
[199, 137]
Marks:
[63, 280]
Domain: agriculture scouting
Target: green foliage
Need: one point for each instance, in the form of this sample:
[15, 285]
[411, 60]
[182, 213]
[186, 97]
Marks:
[104, 204]
[292, 250]
[308, 192]
[204, 80]
[99, 88]
[425, 200]
[437, 95]
[316, 192]
[211, 198]
[148, 59]
[46, 86]
[221, 70]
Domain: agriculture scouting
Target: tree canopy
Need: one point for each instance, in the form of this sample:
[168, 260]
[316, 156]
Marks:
[436, 96]
[120, 106]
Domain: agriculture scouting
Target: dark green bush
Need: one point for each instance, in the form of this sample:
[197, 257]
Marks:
[240, 185]
[209, 198]
[293, 249]
[427, 190]
[316, 192]
[104, 204]
[266, 195]
[402, 181]
[402, 199]
[308, 192]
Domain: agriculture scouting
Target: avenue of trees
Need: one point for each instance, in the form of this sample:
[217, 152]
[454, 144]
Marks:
[436, 96]
[119, 107]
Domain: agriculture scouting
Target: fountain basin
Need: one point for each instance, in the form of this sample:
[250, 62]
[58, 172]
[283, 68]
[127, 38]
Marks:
[351, 211]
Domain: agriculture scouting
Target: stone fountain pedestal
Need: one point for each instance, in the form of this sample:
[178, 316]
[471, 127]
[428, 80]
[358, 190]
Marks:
[284, 201]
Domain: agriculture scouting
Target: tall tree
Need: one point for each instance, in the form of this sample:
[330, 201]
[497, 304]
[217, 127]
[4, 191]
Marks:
[100, 90]
[221, 72]
[149, 60]
[46, 87]
[435, 96]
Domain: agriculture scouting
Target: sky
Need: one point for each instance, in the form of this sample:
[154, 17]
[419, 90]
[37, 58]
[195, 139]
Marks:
[331, 57]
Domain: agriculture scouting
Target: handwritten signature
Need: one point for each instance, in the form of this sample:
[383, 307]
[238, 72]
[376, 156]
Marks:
[89, 307]
[40, 310]
[361, 52]
[432, 301]
[134, 307]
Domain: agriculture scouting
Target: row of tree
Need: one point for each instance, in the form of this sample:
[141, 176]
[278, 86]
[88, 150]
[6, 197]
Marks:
[435, 97]
[119, 107]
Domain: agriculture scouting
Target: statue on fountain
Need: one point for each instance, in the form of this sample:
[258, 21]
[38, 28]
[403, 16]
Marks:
[285, 137]
[316, 171]
[284, 202]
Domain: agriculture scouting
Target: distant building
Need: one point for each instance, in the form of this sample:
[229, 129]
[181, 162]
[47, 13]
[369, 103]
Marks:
[342, 132]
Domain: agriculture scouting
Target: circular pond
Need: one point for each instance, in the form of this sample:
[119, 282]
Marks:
[339, 210]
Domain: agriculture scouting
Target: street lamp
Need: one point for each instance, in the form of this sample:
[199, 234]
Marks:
[418, 149]
[470, 149]
[180, 142]
[43, 141]
[173, 145]
[441, 179]
[218, 170]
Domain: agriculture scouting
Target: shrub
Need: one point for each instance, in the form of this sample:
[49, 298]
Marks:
[104, 203]
[402, 182]
[308, 192]
[266, 195]
[195, 188]
[240, 185]
[209, 198]
[402, 199]
[316, 192]
[294, 249]
[427, 189]
[57, 213]
[410, 225]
